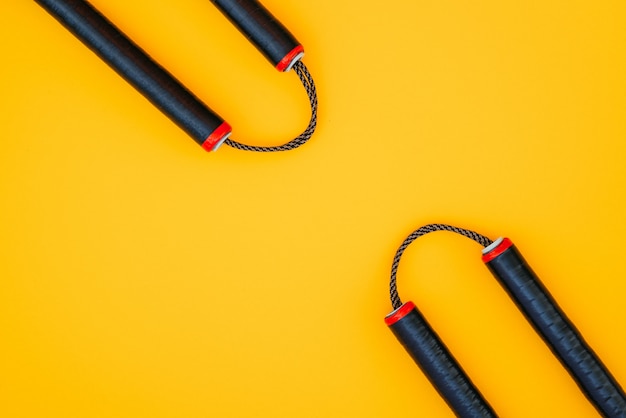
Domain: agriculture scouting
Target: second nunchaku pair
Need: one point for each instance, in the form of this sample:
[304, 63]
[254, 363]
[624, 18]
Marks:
[501, 257]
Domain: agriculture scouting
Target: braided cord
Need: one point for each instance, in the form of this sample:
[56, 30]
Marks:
[393, 290]
[309, 85]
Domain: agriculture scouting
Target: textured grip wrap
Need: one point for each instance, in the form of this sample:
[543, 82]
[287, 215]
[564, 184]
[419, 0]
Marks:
[521, 283]
[143, 73]
[262, 29]
[433, 357]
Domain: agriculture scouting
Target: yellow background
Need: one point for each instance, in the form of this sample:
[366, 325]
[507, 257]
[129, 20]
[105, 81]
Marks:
[143, 277]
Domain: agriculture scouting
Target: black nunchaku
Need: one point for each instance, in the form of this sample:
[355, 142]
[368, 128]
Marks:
[507, 265]
[208, 129]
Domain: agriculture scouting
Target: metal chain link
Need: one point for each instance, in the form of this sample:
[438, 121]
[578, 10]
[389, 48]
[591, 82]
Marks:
[393, 290]
[309, 85]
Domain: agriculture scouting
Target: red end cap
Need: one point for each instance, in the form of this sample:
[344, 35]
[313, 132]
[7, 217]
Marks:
[499, 249]
[287, 61]
[399, 313]
[217, 137]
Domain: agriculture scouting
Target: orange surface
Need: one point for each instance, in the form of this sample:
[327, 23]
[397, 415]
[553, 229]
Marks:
[143, 277]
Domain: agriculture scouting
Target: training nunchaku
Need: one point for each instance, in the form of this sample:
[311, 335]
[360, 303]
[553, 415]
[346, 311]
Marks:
[501, 257]
[168, 94]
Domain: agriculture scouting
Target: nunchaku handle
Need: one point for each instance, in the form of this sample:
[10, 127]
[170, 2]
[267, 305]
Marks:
[257, 24]
[157, 84]
[509, 267]
[433, 357]
[142, 72]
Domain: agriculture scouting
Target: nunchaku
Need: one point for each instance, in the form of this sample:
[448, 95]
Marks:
[511, 270]
[160, 87]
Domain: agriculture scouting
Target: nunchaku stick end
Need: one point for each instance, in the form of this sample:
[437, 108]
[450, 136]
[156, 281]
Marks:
[287, 63]
[495, 249]
[399, 313]
[513, 273]
[217, 137]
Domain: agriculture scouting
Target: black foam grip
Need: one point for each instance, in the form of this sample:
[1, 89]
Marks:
[260, 27]
[443, 371]
[134, 65]
[558, 332]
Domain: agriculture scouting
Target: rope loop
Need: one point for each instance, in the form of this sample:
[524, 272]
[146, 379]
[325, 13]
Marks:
[393, 290]
[309, 85]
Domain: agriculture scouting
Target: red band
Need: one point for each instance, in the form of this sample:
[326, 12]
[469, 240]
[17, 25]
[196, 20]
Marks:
[287, 61]
[500, 248]
[399, 313]
[216, 137]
